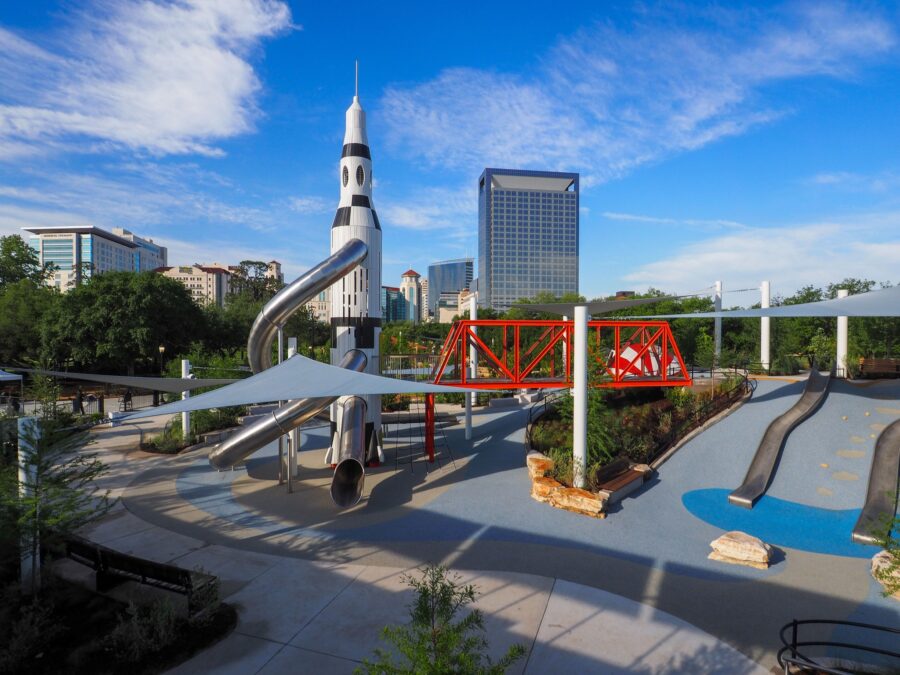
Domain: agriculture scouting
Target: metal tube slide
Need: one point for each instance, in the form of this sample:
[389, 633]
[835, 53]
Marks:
[881, 497]
[277, 423]
[350, 473]
[293, 296]
[762, 468]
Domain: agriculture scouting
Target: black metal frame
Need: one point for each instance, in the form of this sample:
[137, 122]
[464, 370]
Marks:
[800, 660]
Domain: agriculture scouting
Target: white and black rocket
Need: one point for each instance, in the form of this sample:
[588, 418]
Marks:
[356, 298]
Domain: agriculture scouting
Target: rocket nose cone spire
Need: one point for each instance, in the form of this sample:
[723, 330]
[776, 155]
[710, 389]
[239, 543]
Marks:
[355, 131]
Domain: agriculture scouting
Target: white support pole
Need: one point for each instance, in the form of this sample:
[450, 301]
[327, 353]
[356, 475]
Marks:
[842, 339]
[765, 339]
[281, 467]
[294, 435]
[185, 416]
[473, 368]
[717, 333]
[29, 563]
[580, 382]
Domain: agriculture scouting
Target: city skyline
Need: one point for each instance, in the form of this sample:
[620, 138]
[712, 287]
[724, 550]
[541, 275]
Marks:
[737, 143]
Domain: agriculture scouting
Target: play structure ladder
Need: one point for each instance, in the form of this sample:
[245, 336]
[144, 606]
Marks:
[881, 496]
[762, 468]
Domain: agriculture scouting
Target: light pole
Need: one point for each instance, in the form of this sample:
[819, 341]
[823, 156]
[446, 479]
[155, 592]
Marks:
[162, 350]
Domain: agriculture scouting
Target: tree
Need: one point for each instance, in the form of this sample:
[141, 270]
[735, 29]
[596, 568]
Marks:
[250, 279]
[434, 642]
[19, 261]
[23, 306]
[60, 492]
[118, 320]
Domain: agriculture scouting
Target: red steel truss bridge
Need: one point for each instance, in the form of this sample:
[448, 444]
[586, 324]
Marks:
[537, 355]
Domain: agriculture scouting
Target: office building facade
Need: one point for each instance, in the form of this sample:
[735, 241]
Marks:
[448, 276]
[393, 304]
[527, 235]
[207, 285]
[80, 251]
[148, 255]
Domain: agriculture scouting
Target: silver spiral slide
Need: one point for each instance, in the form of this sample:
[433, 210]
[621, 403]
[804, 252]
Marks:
[259, 351]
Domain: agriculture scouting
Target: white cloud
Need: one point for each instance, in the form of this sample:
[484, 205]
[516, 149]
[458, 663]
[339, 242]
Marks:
[607, 99]
[165, 77]
[310, 204]
[790, 256]
[703, 223]
[880, 182]
[443, 211]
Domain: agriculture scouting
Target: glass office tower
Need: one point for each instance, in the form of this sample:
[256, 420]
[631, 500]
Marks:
[448, 276]
[527, 235]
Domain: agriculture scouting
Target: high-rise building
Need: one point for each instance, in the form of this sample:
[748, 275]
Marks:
[411, 291]
[147, 256]
[207, 285]
[79, 251]
[423, 307]
[393, 304]
[448, 276]
[527, 235]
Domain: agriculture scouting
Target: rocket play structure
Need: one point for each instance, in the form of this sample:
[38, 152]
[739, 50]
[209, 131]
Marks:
[353, 273]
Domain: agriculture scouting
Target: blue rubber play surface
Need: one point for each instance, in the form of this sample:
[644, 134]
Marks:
[780, 522]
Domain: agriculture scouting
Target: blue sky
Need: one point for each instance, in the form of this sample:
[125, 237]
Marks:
[723, 141]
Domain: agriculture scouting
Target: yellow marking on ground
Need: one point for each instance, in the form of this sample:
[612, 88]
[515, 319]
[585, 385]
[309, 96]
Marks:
[868, 413]
[844, 475]
[852, 454]
[857, 439]
[888, 411]
[844, 417]
[824, 491]
[878, 427]
[873, 436]
[823, 465]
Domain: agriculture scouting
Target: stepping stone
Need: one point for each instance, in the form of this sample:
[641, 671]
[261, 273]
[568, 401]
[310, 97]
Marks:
[740, 548]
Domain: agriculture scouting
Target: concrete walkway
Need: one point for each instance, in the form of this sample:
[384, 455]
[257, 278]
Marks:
[307, 616]
[315, 586]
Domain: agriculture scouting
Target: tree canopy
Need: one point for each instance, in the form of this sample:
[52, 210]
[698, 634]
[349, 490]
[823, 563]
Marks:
[18, 262]
[117, 322]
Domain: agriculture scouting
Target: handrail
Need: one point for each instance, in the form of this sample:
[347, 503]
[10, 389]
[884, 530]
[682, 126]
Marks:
[805, 662]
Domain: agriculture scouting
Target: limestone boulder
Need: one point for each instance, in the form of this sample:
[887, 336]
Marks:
[881, 567]
[578, 501]
[543, 487]
[538, 465]
[739, 548]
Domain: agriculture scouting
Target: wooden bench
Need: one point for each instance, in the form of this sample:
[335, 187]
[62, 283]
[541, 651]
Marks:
[112, 568]
[879, 367]
[618, 479]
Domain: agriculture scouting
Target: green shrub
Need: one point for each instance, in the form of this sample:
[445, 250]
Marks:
[143, 630]
[26, 635]
[434, 642]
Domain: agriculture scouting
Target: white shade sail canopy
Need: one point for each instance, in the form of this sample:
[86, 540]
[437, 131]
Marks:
[9, 377]
[883, 302]
[298, 377]
[172, 385]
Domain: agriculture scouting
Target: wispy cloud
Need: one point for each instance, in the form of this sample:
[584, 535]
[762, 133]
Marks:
[610, 98]
[879, 182]
[163, 77]
[789, 256]
[703, 223]
[311, 204]
[444, 211]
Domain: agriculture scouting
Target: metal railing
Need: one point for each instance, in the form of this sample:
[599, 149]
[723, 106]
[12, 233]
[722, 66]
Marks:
[806, 664]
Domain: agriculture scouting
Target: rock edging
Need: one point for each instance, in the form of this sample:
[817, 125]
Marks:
[550, 491]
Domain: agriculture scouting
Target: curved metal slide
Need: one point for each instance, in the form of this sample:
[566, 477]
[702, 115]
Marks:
[762, 468]
[881, 496]
[259, 351]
